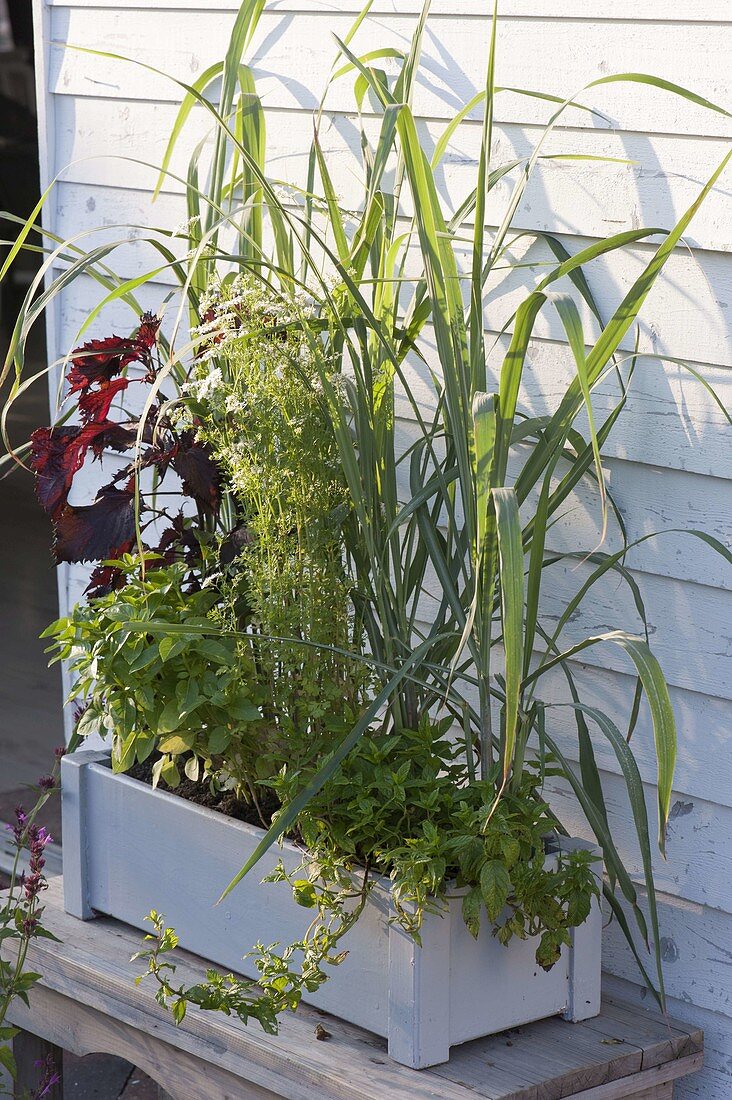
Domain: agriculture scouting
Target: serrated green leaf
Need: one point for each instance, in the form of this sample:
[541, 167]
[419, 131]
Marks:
[471, 909]
[495, 887]
[177, 743]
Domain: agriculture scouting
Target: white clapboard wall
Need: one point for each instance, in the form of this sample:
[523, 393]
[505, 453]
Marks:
[668, 461]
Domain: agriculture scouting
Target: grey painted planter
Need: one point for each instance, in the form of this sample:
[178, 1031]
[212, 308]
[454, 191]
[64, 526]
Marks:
[129, 849]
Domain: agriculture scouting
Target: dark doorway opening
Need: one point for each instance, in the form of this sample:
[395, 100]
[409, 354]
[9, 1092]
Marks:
[30, 694]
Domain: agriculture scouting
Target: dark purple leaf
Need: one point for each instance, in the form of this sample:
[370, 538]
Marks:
[179, 540]
[234, 543]
[93, 531]
[56, 455]
[197, 470]
[110, 436]
[108, 578]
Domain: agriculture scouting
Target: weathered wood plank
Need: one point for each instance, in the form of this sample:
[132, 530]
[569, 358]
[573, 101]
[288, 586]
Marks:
[699, 840]
[702, 12]
[702, 613]
[703, 722]
[657, 1092]
[714, 1081]
[660, 1039]
[695, 949]
[650, 1081]
[88, 1001]
[542, 1064]
[84, 1030]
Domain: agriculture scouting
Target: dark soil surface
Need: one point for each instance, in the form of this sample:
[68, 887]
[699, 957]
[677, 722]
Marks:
[225, 802]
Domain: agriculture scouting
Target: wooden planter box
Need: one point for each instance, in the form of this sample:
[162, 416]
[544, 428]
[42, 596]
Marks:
[129, 849]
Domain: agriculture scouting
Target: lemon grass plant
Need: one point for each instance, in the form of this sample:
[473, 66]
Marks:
[446, 538]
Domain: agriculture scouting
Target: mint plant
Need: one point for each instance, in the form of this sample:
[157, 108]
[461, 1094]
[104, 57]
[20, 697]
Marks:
[154, 682]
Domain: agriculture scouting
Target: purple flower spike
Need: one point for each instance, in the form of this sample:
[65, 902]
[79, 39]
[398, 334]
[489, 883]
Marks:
[51, 1077]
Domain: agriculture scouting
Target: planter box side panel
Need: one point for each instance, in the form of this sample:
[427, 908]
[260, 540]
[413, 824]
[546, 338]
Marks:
[516, 992]
[135, 849]
[148, 850]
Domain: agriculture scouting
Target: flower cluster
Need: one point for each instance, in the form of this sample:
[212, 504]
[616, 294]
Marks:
[50, 1077]
[243, 305]
[21, 914]
[34, 838]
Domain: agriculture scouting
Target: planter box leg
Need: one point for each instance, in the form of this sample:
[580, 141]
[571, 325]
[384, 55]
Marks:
[585, 958]
[74, 777]
[419, 994]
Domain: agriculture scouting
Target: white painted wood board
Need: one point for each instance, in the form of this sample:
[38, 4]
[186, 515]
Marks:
[455, 56]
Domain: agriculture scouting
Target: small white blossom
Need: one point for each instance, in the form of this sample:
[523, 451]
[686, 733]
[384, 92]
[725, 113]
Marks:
[185, 228]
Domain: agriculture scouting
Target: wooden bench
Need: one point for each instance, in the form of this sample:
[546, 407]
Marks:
[87, 1001]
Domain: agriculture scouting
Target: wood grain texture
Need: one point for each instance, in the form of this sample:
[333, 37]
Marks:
[656, 1080]
[576, 197]
[714, 1082]
[454, 56]
[699, 841]
[695, 949]
[82, 1030]
[88, 1001]
[657, 1092]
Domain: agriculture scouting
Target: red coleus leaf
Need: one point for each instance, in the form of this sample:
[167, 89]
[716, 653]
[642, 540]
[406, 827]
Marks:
[101, 360]
[58, 453]
[108, 578]
[194, 465]
[94, 405]
[93, 532]
[148, 331]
